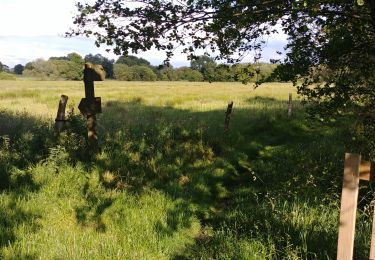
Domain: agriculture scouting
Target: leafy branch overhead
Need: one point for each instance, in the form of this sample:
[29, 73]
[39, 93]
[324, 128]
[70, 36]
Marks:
[224, 26]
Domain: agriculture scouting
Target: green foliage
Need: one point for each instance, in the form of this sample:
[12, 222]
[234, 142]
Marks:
[132, 61]
[243, 72]
[166, 73]
[7, 76]
[203, 69]
[188, 74]
[105, 62]
[143, 73]
[56, 68]
[335, 35]
[76, 58]
[224, 73]
[4, 68]
[168, 183]
[205, 65]
[122, 72]
[134, 73]
[18, 69]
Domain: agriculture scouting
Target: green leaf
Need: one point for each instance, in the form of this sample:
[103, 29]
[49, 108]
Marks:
[360, 2]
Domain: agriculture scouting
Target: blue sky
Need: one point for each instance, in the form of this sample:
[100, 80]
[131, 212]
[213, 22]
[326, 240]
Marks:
[32, 29]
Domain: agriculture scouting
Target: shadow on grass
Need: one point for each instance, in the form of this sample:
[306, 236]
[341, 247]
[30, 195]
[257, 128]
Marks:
[90, 213]
[236, 182]
[24, 141]
[186, 155]
[13, 216]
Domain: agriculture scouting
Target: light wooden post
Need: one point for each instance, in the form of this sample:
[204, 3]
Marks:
[227, 116]
[372, 247]
[290, 106]
[348, 207]
[367, 172]
[60, 117]
[354, 170]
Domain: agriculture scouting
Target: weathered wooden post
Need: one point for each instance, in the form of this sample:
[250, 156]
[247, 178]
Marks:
[227, 116]
[290, 106]
[91, 105]
[60, 117]
[354, 170]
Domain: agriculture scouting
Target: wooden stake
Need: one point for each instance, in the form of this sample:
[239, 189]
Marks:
[227, 116]
[290, 106]
[348, 207]
[367, 172]
[372, 247]
[91, 105]
[91, 133]
[60, 117]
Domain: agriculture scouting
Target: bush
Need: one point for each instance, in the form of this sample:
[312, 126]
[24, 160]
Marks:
[122, 72]
[143, 73]
[54, 69]
[188, 74]
[6, 76]
[166, 73]
[134, 73]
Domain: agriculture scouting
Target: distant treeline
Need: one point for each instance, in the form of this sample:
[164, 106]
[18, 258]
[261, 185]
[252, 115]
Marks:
[132, 68]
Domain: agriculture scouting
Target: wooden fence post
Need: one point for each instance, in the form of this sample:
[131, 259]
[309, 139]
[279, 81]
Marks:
[290, 106]
[227, 116]
[60, 117]
[348, 208]
[367, 172]
[91, 105]
[354, 170]
[372, 246]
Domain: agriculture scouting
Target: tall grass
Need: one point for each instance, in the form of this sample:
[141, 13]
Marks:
[168, 182]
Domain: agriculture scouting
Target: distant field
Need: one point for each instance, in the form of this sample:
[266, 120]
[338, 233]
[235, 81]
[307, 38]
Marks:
[42, 97]
[169, 182]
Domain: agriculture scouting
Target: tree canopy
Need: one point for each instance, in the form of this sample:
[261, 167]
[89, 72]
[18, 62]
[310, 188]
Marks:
[205, 65]
[337, 36]
[105, 62]
[68, 67]
[331, 43]
[18, 69]
[131, 60]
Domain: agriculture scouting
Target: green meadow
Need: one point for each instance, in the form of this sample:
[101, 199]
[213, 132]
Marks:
[169, 182]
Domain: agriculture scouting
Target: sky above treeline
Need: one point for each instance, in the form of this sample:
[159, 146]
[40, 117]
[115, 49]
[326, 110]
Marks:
[32, 29]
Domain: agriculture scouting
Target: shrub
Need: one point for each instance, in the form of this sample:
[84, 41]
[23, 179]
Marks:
[143, 73]
[6, 76]
[54, 69]
[185, 73]
[122, 72]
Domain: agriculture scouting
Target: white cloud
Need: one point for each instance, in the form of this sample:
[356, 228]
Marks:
[31, 28]
[36, 17]
[22, 49]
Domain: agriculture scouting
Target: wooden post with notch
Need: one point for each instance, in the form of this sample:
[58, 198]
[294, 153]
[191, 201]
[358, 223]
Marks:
[60, 117]
[354, 170]
[91, 105]
[227, 116]
[290, 105]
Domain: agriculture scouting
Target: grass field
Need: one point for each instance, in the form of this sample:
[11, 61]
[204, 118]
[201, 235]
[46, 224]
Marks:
[168, 182]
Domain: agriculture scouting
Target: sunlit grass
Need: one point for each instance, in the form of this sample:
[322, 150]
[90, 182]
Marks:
[169, 182]
[42, 97]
